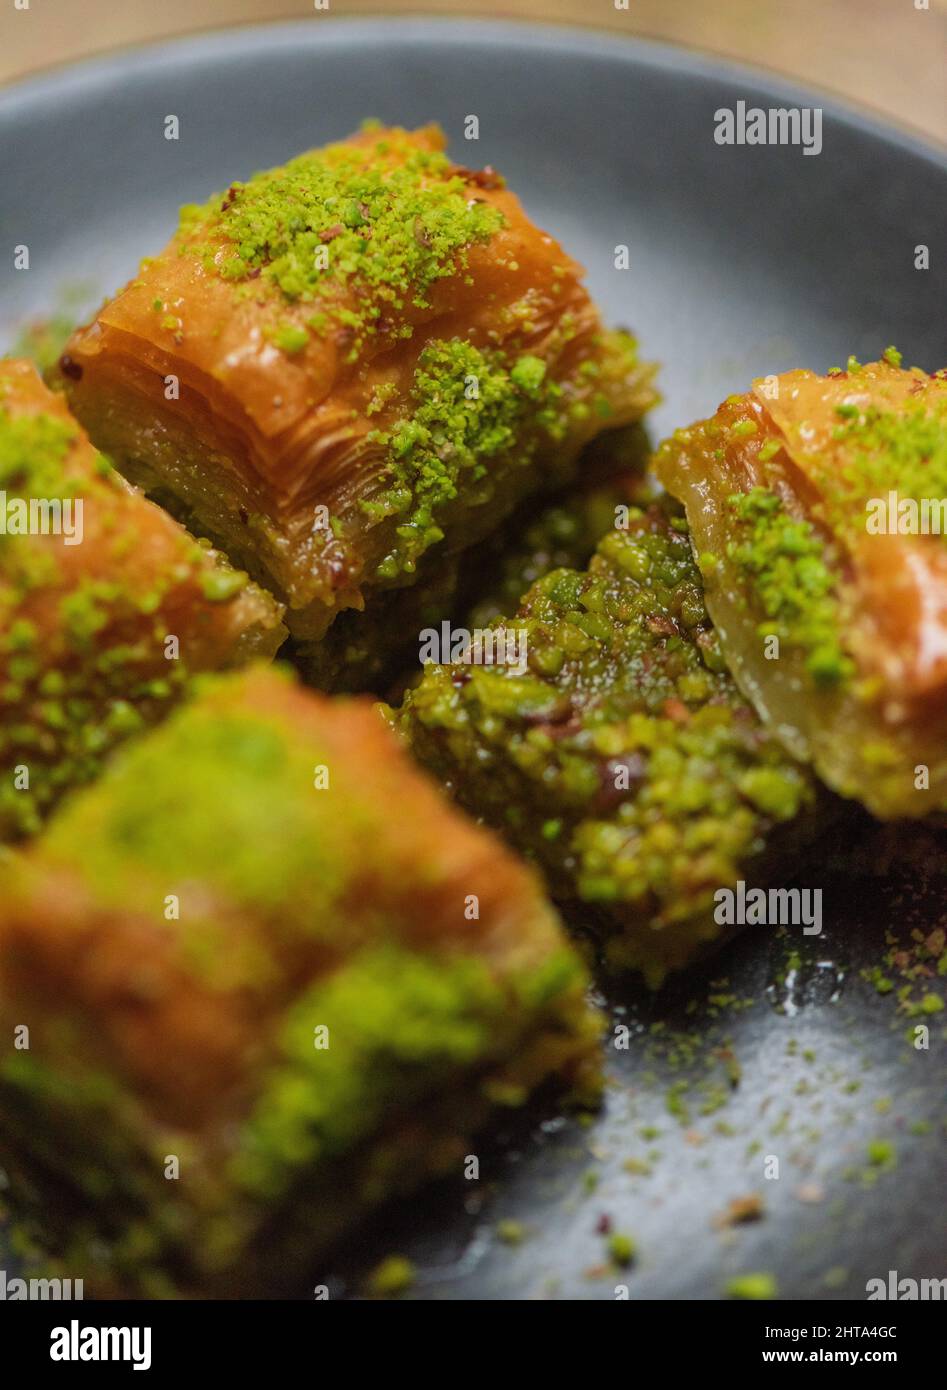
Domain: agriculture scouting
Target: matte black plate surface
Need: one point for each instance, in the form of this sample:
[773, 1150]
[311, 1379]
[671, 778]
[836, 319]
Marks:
[743, 261]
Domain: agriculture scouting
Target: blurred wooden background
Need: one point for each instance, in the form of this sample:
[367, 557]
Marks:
[889, 55]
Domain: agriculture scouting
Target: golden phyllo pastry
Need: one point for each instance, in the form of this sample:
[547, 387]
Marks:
[107, 605]
[351, 366]
[269, 978]
[818, 510]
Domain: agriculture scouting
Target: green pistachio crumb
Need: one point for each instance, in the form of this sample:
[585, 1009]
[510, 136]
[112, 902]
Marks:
[752, 1286]
[393, 1276]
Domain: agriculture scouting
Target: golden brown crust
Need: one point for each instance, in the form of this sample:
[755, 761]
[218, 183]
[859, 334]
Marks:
[184, 1036]
[85, 626]
[261, 436]
[816, 506]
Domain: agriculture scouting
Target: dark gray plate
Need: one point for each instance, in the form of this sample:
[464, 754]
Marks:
[743, 261]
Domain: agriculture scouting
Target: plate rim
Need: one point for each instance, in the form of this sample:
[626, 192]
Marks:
[72, 78]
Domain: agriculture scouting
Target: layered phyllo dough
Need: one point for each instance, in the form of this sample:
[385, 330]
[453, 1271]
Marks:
[107, 606]
[352, 366]
[818, 507]
[267, 978]
[374, 651]
[605, 738]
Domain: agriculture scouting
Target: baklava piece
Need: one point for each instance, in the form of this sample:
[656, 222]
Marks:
[269, 978]
[352, 366]
[608, 743]
[107, 606]
[818, 507]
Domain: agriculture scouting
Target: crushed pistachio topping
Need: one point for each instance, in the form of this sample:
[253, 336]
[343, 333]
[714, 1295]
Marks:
[784, 560]
[469, 407]
[285, 922]
[560, 535]
[33, 451]
[368, 651]
[904, 451]
[155, 816]
[90, 670]
[384, 220]
[401, 1024]
[624, 760]
[793, 563]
